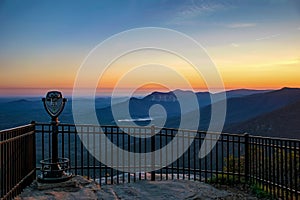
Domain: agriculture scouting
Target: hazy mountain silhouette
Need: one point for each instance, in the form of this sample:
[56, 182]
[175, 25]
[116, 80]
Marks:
[244, 92]
[139, 107]
[242, 105]
[244, 108]
[283, 122]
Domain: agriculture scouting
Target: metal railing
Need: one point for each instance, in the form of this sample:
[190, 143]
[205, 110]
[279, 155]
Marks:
[187, 166]
[271, 164]
[274, 166]
[17, 160]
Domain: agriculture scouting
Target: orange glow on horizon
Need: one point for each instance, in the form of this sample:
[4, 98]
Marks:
[239, 68]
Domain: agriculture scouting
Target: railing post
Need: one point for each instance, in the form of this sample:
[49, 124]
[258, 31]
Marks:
[2, 166]
[54, 124]
[152, 153]
[34, 149]
[247, 156]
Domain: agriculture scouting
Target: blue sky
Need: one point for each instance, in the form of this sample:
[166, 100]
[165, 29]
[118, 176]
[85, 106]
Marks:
[53, 22]
[36, 35]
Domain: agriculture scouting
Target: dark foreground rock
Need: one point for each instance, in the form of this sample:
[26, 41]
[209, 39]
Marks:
[76, 188]
[81, 188]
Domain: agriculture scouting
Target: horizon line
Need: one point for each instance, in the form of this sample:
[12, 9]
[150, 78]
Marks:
[68, 93]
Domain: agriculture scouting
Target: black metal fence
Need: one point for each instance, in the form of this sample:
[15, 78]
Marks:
[274, 166]
[271, 164]
[17, 160]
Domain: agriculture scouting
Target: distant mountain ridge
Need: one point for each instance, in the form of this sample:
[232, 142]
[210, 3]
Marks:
[242, 105]
[240, 109]
[283, 122]
[139, 108]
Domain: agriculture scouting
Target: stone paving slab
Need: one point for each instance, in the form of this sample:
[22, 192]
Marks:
[79, 188]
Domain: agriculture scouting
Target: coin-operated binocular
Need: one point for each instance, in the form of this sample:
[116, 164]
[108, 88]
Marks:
[54, 169]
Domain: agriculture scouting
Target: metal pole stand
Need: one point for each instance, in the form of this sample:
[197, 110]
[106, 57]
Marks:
[54, 169]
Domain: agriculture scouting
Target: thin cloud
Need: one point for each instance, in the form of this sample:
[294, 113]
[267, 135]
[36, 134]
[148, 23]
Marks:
[189, 11]
[234, 45]
[285, 63]
[268, 37]
[241, 25]
[195, 8]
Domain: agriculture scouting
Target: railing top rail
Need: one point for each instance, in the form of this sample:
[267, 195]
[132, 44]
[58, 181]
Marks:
[16, 137]
[15, 128]
[175, 129]
[145, 127]
[274, 138]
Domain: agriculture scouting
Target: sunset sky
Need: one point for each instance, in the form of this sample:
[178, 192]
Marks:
[254, 44]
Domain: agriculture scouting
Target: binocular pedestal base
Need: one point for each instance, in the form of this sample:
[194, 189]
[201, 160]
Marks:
[54, 172]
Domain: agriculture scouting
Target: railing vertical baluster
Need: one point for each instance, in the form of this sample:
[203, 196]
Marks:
[128, 140]
[43, 142]
[296, 165]
[272, 143]
[87, 152]
[6, 167]
[105, 156]
[118, 151]
[2, 160]
[166, 160]
[145, 150]
[239, 159]
[222, 156]
[94, 153]
[247, 157]
[140, 155]
[268, 166]
[10, 145]
[123, 156]
[271, 167]
[264, 171]
[233, 158]
[205, 160]
[172, 154]
[177, 156]
[112, 156]
[259, 162]
[254, 161]
[277, 167]
[69, 144]
[62, 141]
[281, 169]
[189, 157]
[291, 168]
[49, 141]
[152, 153]
[183, 155]
[194, 156]
[34, 149]
[211, 156]
[75, 154]
[100, 163]
[286, 169]
[134, 150]
[160, 152]
[81, 152]
[228, 161]
[217, 161]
